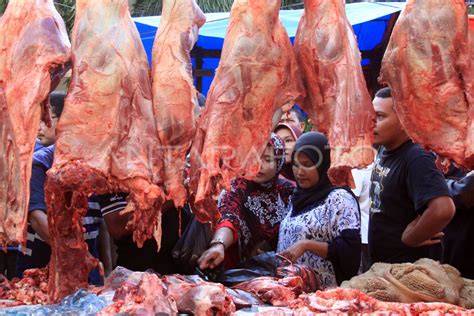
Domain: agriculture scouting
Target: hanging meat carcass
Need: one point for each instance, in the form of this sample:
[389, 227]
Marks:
[429, 66]
[338, 101]
[256, 80]
[106, 139]
[34, 49]
[174, 95]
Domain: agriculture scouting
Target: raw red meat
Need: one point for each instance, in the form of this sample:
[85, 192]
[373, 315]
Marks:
[145, 297]
[31, 289]
[307, 274]
[256, 79]
[350, 301]
[338, 101]
[199, 298]
[278, 292]
[106, 139]
[243, 299]
[34, 51]
[174, 95]
[429, 66]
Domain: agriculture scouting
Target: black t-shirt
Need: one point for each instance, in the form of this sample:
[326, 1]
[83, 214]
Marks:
[403, 182]
[147, 257]
[458, 240]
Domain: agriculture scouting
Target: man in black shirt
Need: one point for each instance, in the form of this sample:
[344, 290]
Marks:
[459, 234]
[410, 202]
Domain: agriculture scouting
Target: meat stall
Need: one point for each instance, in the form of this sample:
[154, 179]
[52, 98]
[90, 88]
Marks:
[135, 113]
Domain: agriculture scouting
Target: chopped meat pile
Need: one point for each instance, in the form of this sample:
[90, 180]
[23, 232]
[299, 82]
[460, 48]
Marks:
[199, 298]
[429, 66]
[350, 301]
[423, 281]
[338, 101]
[278, 292]
[174, 95]
[34, 51]
[31, 289]
[106, 139]
[145, 297]
[256, 79]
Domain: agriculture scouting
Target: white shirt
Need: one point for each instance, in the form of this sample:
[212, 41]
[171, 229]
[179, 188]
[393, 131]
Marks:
[362, 191]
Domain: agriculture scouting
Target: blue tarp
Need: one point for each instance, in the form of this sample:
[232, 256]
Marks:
[369, 21]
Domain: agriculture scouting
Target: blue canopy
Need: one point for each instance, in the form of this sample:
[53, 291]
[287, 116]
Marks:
[369, 20]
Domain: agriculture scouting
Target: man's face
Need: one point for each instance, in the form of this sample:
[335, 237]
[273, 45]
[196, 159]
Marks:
[290, 117]
[388, 129]
[47, 135]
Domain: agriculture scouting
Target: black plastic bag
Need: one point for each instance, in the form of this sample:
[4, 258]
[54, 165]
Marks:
[272, 265]
[264, 264]
[194, 241]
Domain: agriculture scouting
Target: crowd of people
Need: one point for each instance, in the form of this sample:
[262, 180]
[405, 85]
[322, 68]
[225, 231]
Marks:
[403, 208]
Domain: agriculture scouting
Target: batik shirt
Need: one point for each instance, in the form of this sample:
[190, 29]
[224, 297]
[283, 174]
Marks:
[254, 211]
[325, 222]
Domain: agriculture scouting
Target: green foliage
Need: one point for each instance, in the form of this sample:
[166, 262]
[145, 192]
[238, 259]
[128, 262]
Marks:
[65, 7]
[3, 6]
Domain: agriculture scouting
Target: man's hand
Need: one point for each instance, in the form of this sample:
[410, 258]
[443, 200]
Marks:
[39, 222]
[212, 257]
[294, 251]
[436, 239]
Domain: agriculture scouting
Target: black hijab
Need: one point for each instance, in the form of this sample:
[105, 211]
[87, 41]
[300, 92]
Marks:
[315, 146]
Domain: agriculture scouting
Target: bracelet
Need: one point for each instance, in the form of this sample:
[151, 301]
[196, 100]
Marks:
[217, 241]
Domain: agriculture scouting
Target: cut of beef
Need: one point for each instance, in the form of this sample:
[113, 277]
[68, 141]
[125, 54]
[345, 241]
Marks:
[338, 101]
[31, 289]
[147, 296]
[106, 139]
[199, 298]
[256, 79]
[429, 66]
[243, 299]
[307, 274]
[34, 49]
[174, 95]
[278, 292]
[350, 302]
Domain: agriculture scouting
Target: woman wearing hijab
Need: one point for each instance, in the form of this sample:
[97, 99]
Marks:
[251, 212]
[289, 133]
[322, 228]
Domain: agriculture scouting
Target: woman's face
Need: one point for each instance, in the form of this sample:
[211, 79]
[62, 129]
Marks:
[267, 167]
[305, 171]
[287, 137]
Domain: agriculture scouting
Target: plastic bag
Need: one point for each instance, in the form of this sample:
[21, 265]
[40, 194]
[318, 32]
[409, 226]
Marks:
[264, 264]
[81, 303]
[194, 241]
[272, 265]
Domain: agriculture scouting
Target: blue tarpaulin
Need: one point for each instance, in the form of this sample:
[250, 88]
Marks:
[369, 21]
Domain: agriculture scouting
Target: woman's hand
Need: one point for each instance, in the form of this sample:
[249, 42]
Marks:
[295, 251]
[212, 257]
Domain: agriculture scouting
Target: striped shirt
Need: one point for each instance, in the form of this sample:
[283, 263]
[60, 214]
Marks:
[37, 252]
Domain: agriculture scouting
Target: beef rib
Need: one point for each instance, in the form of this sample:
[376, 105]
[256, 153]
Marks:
[106, 139]
[257, 78]
[34, 52]
[429, 66]
[338, 101]
[174, 95]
